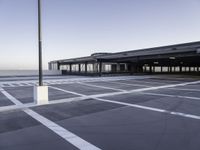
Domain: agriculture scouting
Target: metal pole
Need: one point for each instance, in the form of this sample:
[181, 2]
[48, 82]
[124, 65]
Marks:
[40, 43]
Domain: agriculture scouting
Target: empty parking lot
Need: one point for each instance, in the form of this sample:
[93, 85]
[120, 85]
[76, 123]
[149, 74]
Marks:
[108, 113]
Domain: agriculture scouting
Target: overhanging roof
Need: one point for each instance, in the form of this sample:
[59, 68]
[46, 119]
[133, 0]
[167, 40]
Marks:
[180, 49]
[172, 49]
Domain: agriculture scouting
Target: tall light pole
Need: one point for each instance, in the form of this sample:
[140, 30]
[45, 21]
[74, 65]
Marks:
[40, 44]
[41, 91]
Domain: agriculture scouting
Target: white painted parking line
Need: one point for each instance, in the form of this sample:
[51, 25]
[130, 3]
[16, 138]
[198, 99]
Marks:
[165, 86]
[22, 84]
[62, 132]
[10, 97]
[102, 87]
[66, 91]
[151, 109]
[122, 83]
[168, 95]
[185, 89]
[148, 82]
[72, 80]
[31, 105]
[125, 92]
[83, 97]
[29, 84]
[10, 85]
[16, 107]
[95, 97]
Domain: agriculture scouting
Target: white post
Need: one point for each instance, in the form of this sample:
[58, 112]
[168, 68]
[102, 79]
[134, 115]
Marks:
[41, 95]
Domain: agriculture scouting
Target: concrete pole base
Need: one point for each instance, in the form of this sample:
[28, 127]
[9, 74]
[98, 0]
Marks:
[41, 95]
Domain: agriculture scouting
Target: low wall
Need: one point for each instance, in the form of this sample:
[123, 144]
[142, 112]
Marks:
[28, 72]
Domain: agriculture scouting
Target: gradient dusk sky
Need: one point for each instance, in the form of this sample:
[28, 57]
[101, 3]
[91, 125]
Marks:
[74, 28]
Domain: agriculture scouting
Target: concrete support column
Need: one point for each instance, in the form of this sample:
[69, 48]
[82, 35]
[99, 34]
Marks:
[103, 67]
[145, 69]
[86, 67]
[154, 68]
[133, 68]
[100, 68]
[126, 67]
[161, 69]
[139, 69]
[150, 69]
[180, 69]
[58, 65]
[79, 67]
[95, 67]
[118, 67]
[189, 69]
[170, 69]
[136, 69]
[70, 67]
[49, 66]
[196, 69]
[113, 68]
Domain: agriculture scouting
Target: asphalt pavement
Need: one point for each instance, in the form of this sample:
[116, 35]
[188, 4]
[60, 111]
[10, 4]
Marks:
[108, 113]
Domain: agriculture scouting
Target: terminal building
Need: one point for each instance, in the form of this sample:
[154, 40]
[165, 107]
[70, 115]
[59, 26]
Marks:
[179, 58]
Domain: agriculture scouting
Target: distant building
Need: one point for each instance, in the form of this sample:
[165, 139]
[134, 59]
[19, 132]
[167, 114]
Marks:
[179, 58]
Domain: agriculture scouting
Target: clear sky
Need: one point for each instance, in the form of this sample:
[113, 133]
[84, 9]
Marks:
[73, 28]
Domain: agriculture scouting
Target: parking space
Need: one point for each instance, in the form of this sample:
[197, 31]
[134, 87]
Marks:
[12, 121]
[142, 83]
[191, 87]
[165, 80]
[175, 104]
[127, 128]
[57, 95]
[25, 94]
[130, 113]
[177, 92]
[4, 101]
[117, 85]
[18, 131]
[155, 81]
[63, 111]
[83, 89]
